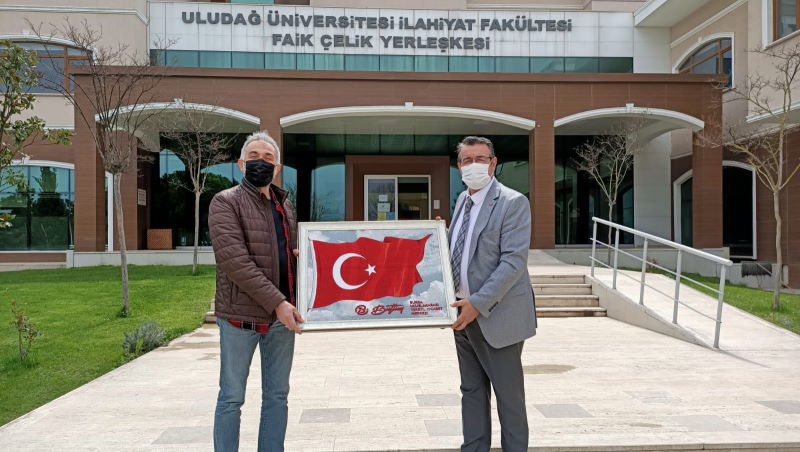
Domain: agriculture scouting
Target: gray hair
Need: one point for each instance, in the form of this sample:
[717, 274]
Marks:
[264, 137]
[473, 140]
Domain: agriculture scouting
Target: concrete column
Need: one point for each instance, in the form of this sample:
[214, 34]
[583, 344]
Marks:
[541, 155]
[90, 197]
[706, 192]
[273, 126]
[652, 205]
[134, 239]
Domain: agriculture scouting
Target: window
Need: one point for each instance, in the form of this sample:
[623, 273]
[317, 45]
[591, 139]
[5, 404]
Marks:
[784, 18]
[715, 57]
[53, 65]
[42, 209]
[404, 63]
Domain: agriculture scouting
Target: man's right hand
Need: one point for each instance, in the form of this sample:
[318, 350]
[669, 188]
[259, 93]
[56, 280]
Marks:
[289, 317]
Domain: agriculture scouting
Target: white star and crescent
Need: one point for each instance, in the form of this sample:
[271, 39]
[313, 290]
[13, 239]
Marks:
[337, 271]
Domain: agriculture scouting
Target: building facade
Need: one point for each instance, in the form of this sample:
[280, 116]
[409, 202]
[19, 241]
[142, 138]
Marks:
[369, 98]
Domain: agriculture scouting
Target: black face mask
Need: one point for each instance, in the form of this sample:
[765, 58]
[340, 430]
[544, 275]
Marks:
[258, 172]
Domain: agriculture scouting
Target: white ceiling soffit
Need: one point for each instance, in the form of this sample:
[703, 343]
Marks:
[665, 13]
[221, 119]
[419, 120]
[657, 121]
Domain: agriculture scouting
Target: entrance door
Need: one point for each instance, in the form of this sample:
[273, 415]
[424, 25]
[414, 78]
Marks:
[397, 187]
[394, 197]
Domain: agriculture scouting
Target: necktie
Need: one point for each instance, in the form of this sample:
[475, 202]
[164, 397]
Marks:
[458, 248]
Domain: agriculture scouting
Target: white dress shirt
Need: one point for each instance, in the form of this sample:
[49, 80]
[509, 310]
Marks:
[477, 201]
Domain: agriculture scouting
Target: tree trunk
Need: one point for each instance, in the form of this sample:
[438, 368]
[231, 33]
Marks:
[196, 230]
[777, 270]
[123, 253]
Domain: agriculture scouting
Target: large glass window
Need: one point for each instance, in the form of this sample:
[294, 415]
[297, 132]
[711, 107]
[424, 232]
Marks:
[215, 59]
[317, 169]
[430, 63]
[512, 64]
[173, 203]
[578, 198]
[400, 63]
[737, 210]
[785, 13]
[686, 213]
[249, 60]
[53, 65]
[42, 209]
[715, 57]
[361, 62]
[581, 64]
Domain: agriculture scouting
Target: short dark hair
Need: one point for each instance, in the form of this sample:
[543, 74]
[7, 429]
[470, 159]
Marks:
[472, 140]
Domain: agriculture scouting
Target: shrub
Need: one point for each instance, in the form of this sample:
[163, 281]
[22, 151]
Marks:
[148, 336]
[26, 331]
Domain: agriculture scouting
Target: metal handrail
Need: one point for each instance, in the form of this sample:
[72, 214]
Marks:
[684, 248]
[722, 262]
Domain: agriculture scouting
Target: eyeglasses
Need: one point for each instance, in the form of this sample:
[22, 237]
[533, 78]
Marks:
[478, 159]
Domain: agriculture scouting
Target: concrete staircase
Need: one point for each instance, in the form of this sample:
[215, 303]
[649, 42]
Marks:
[210, 317]
[565, 296]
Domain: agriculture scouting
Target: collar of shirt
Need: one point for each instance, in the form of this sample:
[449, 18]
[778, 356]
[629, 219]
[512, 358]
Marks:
[479, 196]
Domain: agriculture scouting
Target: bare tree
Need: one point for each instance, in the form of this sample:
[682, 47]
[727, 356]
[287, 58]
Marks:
[608, 158]
[114, 84]
[769, 97]
[194, 141]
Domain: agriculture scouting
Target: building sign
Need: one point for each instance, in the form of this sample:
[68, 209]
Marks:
[289, 29]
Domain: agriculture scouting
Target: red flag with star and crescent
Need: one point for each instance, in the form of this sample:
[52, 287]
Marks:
[366, 269]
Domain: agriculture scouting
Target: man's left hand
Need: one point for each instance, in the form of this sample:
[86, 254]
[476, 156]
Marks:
[467, 316]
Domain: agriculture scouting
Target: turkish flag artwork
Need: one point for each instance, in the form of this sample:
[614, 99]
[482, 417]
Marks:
[366, 269]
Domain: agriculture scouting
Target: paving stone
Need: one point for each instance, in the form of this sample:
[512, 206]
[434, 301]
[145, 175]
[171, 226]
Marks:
[705, 423]
[562, 410]
[653, 396]
[438, 399]
[783, 406]
[185, 435]
[325, 415]
[444, 427]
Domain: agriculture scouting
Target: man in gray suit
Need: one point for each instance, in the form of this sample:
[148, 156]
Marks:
[489, 241]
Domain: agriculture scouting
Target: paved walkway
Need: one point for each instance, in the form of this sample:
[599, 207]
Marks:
[591, 383]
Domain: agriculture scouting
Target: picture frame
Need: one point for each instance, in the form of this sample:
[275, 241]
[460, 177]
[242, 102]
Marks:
[374, 274]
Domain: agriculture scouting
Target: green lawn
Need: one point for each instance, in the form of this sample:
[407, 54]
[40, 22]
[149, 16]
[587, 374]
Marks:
[77, 310]
[757, 302]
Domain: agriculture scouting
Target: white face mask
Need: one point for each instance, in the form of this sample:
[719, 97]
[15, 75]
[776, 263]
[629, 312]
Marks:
[475, 175]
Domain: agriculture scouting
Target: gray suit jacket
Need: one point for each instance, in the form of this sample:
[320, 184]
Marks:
[498, 276]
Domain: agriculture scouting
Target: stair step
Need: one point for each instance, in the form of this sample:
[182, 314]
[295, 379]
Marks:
[562, 289]
[210, 317]
[557, 279]
[577, 301]
[570, 312]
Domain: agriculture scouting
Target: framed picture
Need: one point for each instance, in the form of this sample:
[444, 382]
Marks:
[372, 274]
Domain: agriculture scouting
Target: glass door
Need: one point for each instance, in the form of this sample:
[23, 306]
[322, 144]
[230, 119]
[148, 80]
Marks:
[397, 197]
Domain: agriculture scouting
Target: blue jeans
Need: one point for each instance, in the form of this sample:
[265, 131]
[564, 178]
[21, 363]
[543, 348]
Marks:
[236, 349]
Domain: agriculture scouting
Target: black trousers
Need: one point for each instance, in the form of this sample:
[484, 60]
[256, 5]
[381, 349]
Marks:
[482, 368]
